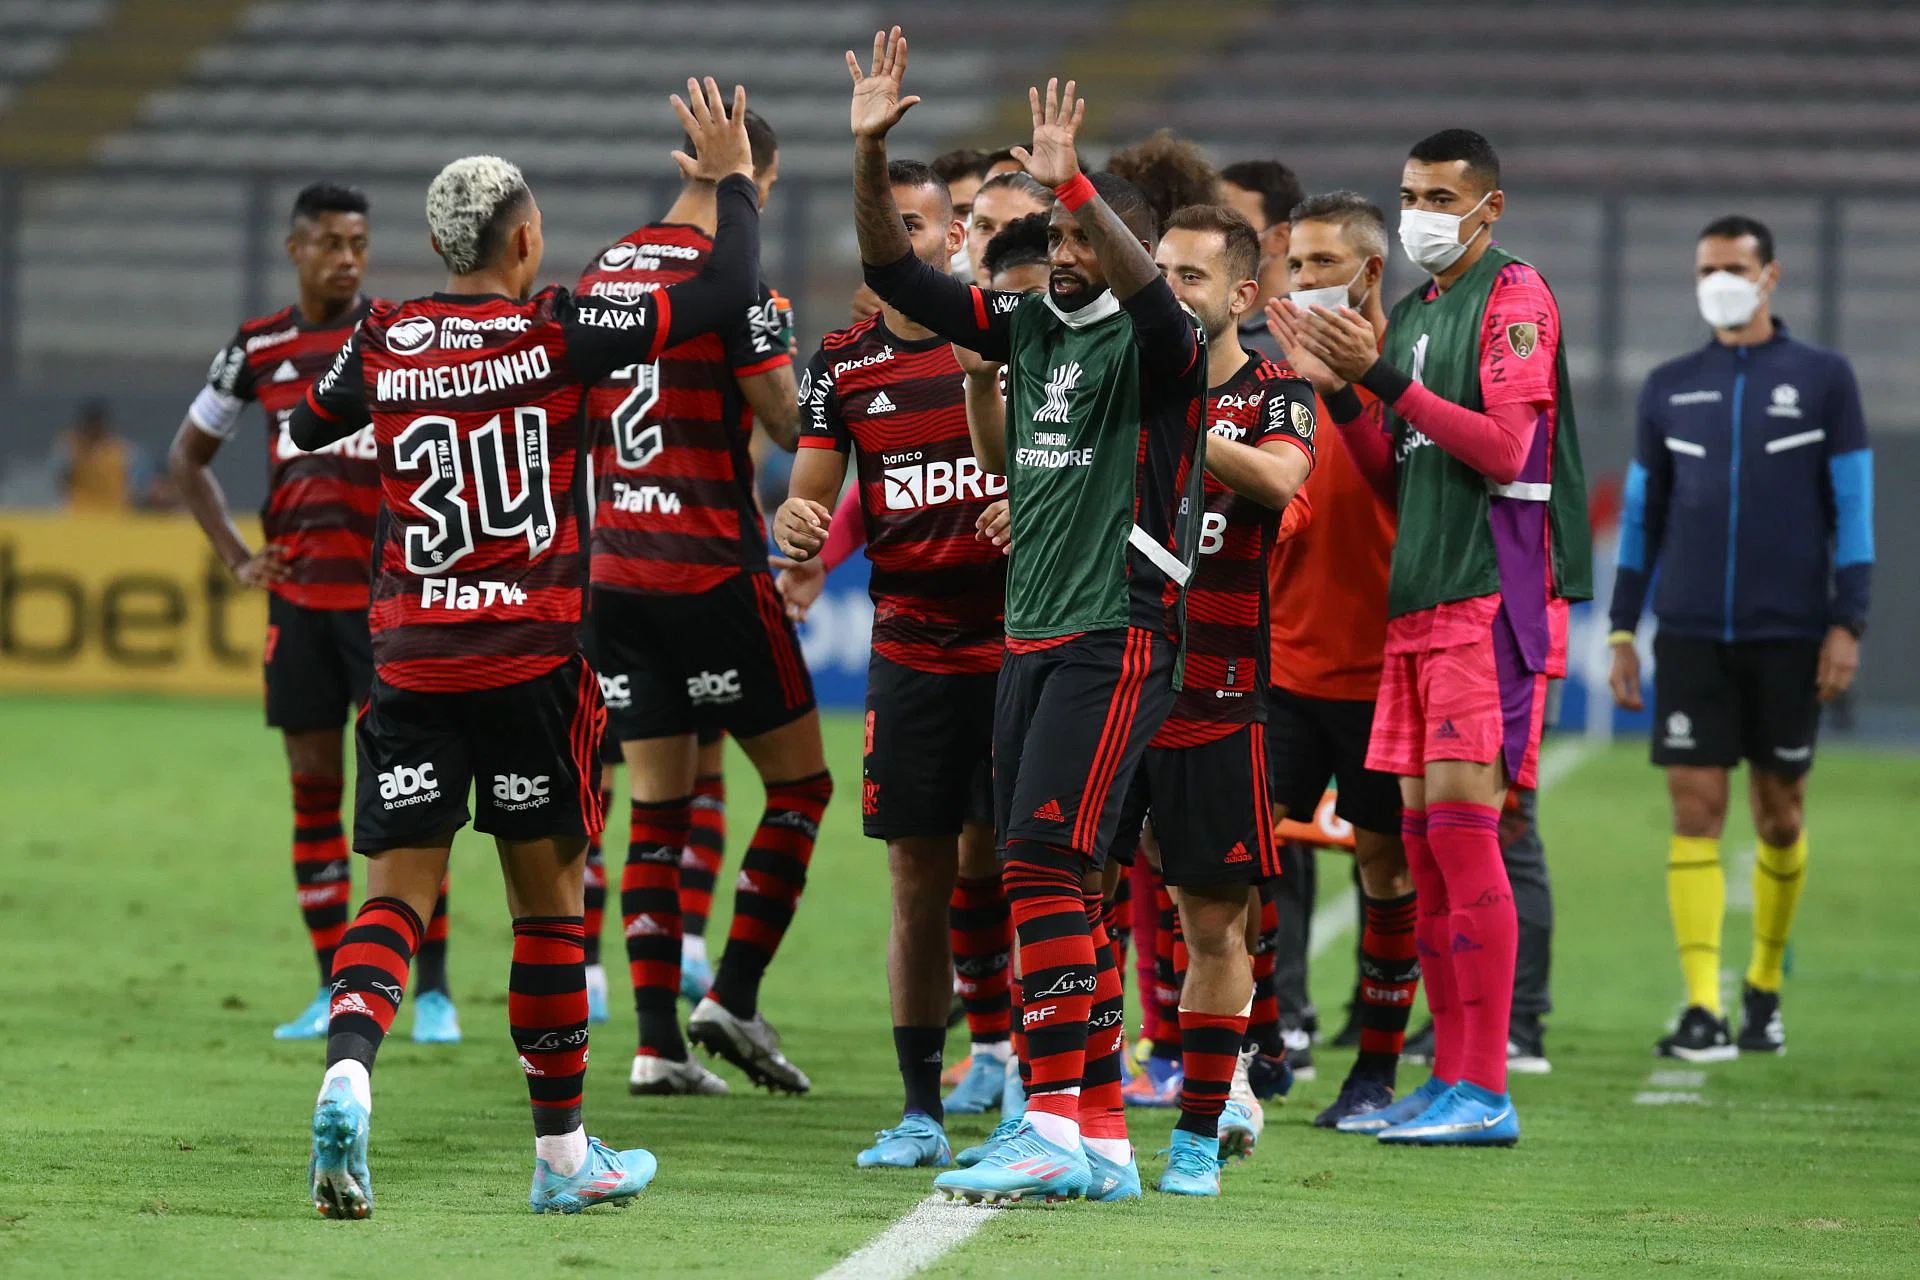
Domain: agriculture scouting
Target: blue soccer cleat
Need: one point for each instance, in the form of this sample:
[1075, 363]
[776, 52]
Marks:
[1465, 1116]
[1158, 1085]
[1193, 1166]
[597, 1010]
[917, 1142]
[696, 978]
[337, 1170]
[971, 1156]
[1359, 1096]
[981, 1089]
[1108, 1181]
[1024, 1167]
[1013, 1097]
[311, 1022]
[1407, 1108]
[434, 1020]
[607, 1177]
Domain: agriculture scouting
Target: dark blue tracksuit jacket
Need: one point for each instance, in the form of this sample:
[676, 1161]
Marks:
[1751, 489]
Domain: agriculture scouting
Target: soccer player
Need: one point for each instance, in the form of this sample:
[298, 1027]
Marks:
[891, 392]
[1478, 449]
[963, 170]
[1102, 453]
[1265, 192]
[476, 398]
[1170, 171]
[1329, 603]
[1000, 201]
[1751, 489]
[1205, 773]
[688, 635]
[319, 524]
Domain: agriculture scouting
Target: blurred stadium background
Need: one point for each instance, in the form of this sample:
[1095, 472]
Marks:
[149, 150]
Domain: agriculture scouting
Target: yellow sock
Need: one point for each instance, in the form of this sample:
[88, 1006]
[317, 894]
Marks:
[1777, 877]
[1697, 896]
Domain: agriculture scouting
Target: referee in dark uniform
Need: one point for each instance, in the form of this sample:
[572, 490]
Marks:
[1751, 489]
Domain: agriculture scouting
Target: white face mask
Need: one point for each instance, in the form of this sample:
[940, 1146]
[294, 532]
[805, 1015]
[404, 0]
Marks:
[1727, 301]
[1432, 240]
[960, 266]
[1332, 297]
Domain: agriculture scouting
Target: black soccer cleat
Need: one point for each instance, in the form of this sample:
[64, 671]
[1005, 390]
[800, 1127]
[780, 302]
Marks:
[1761, 1028]
[1698, 1037]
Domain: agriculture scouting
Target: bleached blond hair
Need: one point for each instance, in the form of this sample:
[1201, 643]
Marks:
[463, 203]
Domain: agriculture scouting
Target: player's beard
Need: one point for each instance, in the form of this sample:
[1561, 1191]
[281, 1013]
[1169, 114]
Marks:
[1080, 290]
[1217, 323]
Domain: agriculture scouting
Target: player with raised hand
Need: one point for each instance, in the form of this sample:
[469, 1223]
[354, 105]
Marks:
[319, 526]
[688, 638]
[890, 392]
[1474, 442]
[1106, 375]
[476, 396]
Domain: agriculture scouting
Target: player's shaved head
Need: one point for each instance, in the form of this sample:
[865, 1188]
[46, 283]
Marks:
[1472, 150]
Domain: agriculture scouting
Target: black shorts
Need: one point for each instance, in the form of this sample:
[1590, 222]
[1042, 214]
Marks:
[724, 660]
[1212, 817]
[1069, 728]
[526, 749]
[1312, 741]
[929, 735]
[319, 665]
[1716, 703]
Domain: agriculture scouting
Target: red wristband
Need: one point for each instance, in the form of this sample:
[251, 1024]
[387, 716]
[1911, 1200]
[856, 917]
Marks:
[1075, 191]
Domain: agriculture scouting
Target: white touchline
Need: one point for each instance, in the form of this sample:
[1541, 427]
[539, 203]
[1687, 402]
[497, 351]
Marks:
[1670, 1087]
[935, 1227]
[930, 1231]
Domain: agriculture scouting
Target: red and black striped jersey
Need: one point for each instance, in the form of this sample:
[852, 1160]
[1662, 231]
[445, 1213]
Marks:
[939, 592]
[320, 506]
[1227, 621]
[674, 511]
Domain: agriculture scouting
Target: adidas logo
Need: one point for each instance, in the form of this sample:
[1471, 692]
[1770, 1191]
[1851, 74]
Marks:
[286, 372]
[349, 1003]
[645, 926]
[1462, 943]
[1049, 812]
[880, 404]
[745, 883]
[1446, 730]
[1239, 852]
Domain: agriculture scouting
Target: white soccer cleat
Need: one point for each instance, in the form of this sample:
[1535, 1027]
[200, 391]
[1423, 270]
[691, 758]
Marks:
[652, 1074]
[1243, 1119]
[750, 1044]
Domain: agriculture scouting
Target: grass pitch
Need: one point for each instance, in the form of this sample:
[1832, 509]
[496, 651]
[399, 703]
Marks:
[149, 1126]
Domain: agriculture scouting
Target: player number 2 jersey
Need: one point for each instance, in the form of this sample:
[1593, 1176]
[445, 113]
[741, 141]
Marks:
[674, 510]
[320, 506]
[1227, 616]
[939, 592]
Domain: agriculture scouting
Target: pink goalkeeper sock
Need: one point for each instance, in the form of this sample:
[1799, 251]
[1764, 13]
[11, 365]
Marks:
[1465, 839]
[1433, 935]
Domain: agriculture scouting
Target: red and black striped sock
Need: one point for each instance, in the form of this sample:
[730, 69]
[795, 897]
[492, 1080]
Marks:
[706, 847]
[1209, 1051]
[1118, 918]
[650, 912]
[430, 966]
[1263, 1028]
[322, 868]
[772, 875]
[981, 929]
[1389, 974]
[1103, 1112]
[547, 1007]
[1168, 969]
[1057, 970]
[370, 978]
[596, 884]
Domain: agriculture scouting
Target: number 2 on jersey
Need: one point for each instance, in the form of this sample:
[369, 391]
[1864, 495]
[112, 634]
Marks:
[635, 445]
[431, 445]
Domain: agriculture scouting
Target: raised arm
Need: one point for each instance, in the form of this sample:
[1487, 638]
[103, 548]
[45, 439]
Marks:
[958, 312]
[1127, 264]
